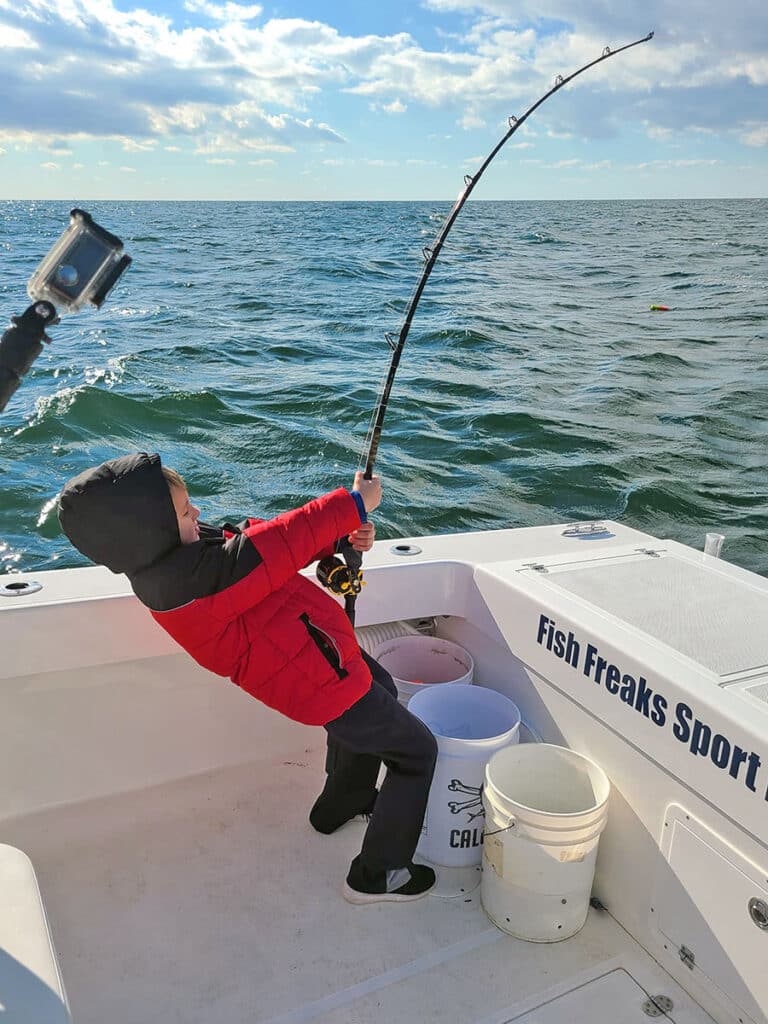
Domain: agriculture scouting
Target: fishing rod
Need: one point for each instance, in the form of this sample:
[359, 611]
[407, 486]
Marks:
[347, 581]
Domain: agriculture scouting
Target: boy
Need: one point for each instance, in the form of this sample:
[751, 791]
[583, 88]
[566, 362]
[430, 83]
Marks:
[234, 599]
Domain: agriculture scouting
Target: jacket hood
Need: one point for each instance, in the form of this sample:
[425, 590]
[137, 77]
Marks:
[121, 514]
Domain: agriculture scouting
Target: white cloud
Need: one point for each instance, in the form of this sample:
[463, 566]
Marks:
[670, 164]
[127, 170]
[757, 136]
[655, 131]
[230, 142]
[50, 166]
[261, 163]
[471, 120]
[756, 70]
[672, 19]
[132, 75]
[226, 12]
[220, 160]
[133, 146]
[16, 39]
[236, 83]
[266, 147]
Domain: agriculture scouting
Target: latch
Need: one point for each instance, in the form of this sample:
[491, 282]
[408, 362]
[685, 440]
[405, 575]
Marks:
[587, 530]
[758, 911]
[688, 957]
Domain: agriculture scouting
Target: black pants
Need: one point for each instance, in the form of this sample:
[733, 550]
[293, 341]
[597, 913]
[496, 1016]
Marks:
[377, 728]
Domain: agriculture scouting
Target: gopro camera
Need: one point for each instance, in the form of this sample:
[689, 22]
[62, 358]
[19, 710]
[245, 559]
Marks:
[83, 266]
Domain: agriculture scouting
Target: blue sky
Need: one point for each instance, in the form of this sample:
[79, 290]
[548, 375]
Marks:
[217, 99]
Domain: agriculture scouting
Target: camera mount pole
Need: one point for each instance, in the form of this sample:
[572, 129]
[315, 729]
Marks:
[21, 344]
[83, 266]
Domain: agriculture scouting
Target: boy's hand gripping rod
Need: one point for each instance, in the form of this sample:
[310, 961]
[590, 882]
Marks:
[349, 583]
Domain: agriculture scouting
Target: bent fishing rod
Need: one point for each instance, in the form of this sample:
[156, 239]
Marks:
[346, 580]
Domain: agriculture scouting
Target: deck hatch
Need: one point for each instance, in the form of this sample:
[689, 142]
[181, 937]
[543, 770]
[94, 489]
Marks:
[705, 893]
[714, 619]
[615, 996]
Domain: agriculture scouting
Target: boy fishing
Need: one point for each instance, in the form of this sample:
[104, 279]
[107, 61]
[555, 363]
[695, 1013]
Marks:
[234, 598]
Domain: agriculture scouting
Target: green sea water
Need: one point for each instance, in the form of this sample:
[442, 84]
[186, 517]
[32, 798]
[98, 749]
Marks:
[246, 345]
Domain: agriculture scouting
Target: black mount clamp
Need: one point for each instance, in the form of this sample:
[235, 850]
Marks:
[21, 344]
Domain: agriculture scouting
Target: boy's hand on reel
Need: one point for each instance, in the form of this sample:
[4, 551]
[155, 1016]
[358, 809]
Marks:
[363, 537]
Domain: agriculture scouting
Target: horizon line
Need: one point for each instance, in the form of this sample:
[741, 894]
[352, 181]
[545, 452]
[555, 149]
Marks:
[475, 199]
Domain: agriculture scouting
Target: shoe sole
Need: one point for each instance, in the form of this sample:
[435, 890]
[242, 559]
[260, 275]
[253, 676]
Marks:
[361, 898]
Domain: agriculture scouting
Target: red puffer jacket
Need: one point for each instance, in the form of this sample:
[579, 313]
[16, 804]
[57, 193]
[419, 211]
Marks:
[234, 599]
[275, 633]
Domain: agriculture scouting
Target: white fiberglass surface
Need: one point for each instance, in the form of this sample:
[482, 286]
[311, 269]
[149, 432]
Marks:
[211, 899]
[717, 621]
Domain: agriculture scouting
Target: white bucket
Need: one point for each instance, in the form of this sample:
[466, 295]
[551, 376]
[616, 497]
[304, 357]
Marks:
[418, 662]
[470, 723]
[546, 807]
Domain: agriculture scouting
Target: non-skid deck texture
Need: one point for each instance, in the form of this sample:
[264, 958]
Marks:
[212, 900]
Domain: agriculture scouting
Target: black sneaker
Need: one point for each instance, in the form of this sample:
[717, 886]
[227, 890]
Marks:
[328, 820]
[401, 885]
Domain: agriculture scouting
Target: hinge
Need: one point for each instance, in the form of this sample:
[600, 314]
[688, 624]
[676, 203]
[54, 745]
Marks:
[658, 1006]
[687, 956]
[648, 551]
[536, 566]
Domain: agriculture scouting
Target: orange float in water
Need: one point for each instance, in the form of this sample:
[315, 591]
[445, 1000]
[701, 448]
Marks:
[662, 309]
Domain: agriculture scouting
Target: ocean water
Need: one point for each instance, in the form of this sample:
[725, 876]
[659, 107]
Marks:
[246, 345]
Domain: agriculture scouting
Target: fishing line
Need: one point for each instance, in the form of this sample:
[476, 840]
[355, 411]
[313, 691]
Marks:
[431, 252]
[348, 581]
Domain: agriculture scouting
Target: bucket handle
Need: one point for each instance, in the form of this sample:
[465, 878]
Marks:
[511, 822]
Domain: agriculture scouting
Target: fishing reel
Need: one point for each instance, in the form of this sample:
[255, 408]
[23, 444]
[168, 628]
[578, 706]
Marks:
[339, 578]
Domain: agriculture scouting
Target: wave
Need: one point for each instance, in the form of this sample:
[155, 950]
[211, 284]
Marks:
[534, 384]
[542, 238]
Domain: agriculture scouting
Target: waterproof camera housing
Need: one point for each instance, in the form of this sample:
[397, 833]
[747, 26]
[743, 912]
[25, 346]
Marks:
[83, 266]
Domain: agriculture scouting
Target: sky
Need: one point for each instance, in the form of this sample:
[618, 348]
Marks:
[384, 100]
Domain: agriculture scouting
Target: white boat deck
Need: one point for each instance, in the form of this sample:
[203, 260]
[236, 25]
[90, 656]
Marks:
[212, 899]
[165, 812]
